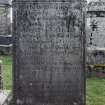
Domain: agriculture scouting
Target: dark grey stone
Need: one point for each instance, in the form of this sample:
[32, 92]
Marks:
[5, 40]
[49, 45]
[3, 2]
[3, 20]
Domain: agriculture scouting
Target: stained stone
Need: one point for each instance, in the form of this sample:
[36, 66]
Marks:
[3, 20]
[3, 2]
[49, 53]
[5, 40]
[5, 97]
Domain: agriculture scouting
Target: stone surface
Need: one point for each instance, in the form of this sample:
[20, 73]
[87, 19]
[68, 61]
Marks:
[3, 20]
[5, 40]
[4, 95]
[96, 32]
[48, 52]
[96, 24]
[96, 5]
[4, 1]
[5, 27]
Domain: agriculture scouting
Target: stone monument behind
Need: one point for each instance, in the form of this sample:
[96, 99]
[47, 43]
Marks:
[4, 20]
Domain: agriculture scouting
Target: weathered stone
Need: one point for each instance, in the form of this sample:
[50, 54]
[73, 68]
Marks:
[5, 40]
[4, 19]
[96, 33]
[49, 52]
[96, 24]
[5, 97]
[3, 2]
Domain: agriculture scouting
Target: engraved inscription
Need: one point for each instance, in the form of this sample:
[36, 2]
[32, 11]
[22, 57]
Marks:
[50, 50]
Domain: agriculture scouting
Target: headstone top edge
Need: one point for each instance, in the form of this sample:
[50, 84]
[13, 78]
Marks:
[45, 0]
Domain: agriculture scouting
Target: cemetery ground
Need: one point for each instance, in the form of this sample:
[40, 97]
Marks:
[7, 71]
[95, 87]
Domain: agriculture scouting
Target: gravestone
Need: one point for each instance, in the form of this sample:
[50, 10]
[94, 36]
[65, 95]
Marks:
[48, 52]
[4, 20]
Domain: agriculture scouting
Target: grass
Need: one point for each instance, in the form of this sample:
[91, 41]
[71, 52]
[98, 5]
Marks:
[95, 87]
[7, 71]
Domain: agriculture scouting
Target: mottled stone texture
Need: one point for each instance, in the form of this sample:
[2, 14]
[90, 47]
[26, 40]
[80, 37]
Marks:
[48, 52]
[4, 1]
[96, 24]
[3, 20]
[96, 33]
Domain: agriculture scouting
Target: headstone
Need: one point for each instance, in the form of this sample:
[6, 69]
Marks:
[3, 20]
[96, 24]
[48, 52]
[4, 17]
